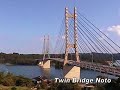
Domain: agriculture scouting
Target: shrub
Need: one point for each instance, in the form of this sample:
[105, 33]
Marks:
[13, 88]
[11, 80]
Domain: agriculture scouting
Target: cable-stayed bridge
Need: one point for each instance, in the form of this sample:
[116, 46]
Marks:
[80, 44]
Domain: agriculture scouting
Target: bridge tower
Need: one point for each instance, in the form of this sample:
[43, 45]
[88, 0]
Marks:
[45, 63]
[71, 71]
[46, 48]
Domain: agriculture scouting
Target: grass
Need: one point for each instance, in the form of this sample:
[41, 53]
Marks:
[17, 88]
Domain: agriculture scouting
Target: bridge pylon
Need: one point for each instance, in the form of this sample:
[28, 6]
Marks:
[71, 71]
[45, 63]
[68, 44]
[46, 48]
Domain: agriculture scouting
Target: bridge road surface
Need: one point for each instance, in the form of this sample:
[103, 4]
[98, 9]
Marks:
[115, 71]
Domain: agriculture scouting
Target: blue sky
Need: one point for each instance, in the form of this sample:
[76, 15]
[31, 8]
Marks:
[23, 23]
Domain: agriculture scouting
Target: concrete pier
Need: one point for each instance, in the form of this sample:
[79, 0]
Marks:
[46, 64]
[71, 72]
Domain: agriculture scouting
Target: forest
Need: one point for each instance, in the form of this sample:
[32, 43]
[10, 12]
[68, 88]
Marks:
[30, 59]
[19, 59]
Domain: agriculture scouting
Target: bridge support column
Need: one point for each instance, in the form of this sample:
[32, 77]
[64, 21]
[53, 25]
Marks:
[46, 64]
[71, 72]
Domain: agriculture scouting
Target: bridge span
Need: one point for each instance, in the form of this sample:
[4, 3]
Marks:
[115, 71]
[80, 37]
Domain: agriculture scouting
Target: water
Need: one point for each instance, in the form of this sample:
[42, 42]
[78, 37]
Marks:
[34, 71]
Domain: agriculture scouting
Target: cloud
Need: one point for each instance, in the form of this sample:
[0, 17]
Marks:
[115, 29]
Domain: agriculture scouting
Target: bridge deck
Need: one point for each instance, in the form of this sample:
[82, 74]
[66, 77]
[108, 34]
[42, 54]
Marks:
[93, 66]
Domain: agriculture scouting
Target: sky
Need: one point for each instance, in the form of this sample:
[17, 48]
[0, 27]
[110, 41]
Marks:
[23, 23]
